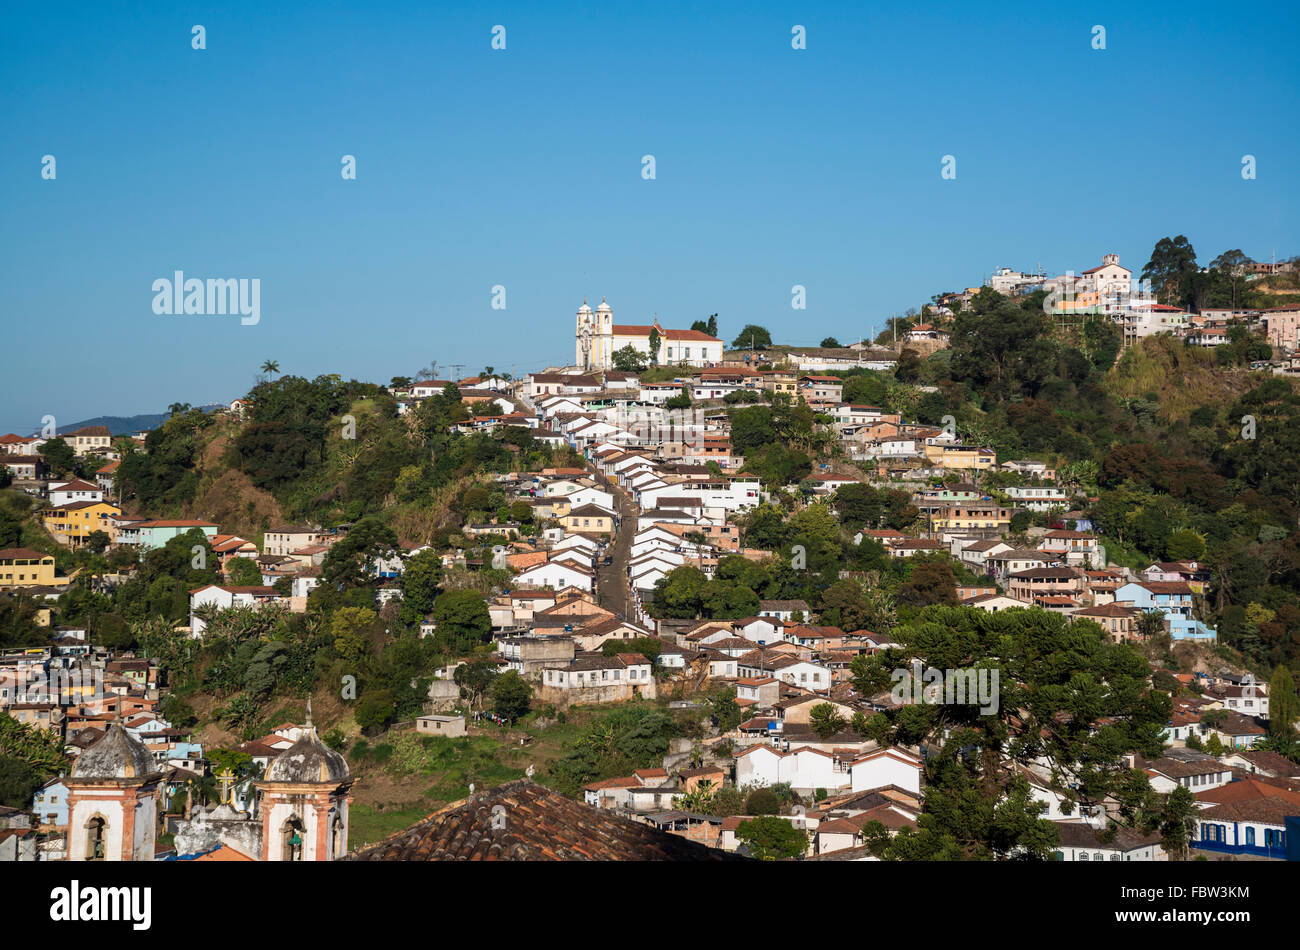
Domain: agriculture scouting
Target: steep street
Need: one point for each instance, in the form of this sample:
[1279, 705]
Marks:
[611, 579]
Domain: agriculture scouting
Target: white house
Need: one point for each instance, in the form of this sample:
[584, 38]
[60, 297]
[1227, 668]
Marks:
[883, 767]
[65, 493]
[804, 768]
[225, 597]
[557, 575]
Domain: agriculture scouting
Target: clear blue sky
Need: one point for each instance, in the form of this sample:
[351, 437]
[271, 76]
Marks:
[523, 168]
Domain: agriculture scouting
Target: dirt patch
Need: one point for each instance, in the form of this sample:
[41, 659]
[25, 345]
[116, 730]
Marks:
[232, 501]
[375, 785]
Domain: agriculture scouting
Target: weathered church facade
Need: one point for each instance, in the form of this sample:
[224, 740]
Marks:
[597, 338]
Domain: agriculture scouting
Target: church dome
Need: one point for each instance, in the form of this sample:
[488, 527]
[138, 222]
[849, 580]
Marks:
[308, 761]
[114, 755]
[604, 307]
[584, 308]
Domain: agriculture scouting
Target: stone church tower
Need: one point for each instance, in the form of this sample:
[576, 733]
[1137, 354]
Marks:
[304, 804]
[594, 337]
[113, 800]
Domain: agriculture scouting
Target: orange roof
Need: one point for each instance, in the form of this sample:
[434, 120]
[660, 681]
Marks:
[629, 329]
[223, 852]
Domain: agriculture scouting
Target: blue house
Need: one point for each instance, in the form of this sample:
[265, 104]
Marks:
[1256, 828]
[50, 803]
[1171, 598]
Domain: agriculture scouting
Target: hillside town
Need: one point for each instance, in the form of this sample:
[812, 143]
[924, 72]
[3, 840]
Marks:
[678, 598]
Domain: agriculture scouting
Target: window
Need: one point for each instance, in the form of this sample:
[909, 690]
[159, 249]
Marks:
[96, 834]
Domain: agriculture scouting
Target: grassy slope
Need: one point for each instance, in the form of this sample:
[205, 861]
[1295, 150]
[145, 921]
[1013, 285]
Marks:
[1183, 378]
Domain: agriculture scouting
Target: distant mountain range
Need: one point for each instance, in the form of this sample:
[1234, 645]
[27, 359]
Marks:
[125, 425]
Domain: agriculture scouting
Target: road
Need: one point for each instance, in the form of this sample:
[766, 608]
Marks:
[611, 580]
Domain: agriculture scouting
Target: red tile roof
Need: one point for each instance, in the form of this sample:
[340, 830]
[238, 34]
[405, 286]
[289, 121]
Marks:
[523, 821]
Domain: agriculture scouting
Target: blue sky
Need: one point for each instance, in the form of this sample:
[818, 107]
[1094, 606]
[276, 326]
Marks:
[522, 168]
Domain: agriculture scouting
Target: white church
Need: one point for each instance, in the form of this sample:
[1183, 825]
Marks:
[597, 338]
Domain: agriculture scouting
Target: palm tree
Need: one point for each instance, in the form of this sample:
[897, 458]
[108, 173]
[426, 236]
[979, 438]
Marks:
[271, 366]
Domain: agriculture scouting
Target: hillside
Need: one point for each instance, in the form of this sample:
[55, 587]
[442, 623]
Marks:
[1181, 378]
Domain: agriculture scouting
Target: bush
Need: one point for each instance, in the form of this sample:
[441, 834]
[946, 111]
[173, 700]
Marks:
[375, 709]
[762, 801]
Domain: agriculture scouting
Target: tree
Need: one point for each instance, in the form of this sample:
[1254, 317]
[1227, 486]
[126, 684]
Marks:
[41, 749]
[654, 341]
[727, 714]
[350, 627]
[270, 367]
[709, 326]
[1184, 546]
[244, 572]
[753, 337]
[680, 593]
[830, 342]
[1284, 709]
[1177, 821]
[825, 720]
[348, 563]
[1000, 347]
[931, 581]
[18, 783]
[178, 712]
[762, 801]
[1066, 695]
[772, 839]
[1232, 268]
[1172, 264]
[420, 582]
[1150, 624]
[475, 679]
[619, 742]
[700, 800]
[751, 428]
[629, 359]
[59, 456]
[375, 709]
[463, 619]
[864, 506]
[511, 696]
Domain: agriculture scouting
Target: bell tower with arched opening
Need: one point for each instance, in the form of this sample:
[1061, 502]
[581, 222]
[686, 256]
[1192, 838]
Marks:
[304, 804]
[113, 800]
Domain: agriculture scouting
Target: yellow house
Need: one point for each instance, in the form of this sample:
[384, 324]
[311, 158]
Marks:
[73, 524]
[556, 507]
[777, 381]
[88, 439]
[971, 515]
[23, 567]
[589, 519]
[961, 457]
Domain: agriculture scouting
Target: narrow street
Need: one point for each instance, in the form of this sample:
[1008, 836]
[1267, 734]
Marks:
[611, 579]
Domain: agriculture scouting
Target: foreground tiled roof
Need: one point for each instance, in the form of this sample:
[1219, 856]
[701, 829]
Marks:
[539, 825]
